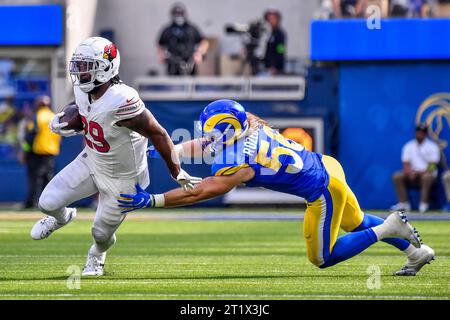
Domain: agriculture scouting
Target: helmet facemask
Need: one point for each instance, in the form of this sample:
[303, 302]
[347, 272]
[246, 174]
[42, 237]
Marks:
[86, 72]
[218, 139]
[223, 123]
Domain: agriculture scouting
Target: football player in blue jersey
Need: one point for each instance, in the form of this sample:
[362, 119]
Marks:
[246, 150]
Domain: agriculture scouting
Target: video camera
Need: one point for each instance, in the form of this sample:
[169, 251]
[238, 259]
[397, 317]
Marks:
[252, 34]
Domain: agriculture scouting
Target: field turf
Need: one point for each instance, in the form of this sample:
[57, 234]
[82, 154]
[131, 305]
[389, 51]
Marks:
[160, 257]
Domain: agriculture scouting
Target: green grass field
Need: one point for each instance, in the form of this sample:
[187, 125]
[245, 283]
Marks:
[173, 259]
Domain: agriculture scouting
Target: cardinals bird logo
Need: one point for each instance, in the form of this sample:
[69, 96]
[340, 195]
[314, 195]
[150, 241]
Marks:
[110, 52]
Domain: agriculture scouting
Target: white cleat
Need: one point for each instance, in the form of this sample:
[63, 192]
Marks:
[46, 226]
[94, 265]
[418, 259]
[398, 227]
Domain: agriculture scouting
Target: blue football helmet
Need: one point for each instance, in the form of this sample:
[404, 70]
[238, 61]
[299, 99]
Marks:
[223, 122]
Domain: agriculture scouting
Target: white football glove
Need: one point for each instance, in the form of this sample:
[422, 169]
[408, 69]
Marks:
[186, 181]
[57, 127]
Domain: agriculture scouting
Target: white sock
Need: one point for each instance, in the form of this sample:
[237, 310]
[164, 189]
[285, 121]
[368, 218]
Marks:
[62, 217]
[410, 250]
[380, 231]
[94, 251]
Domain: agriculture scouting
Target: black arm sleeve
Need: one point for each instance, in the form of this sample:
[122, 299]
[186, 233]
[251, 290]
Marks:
[163, 37]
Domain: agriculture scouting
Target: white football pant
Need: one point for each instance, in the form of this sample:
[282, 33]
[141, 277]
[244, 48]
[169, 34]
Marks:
[77, 181]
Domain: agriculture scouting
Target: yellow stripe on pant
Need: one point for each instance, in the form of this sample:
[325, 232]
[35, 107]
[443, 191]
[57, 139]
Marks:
[336, 208]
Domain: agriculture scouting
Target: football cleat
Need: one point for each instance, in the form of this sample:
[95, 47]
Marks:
[399, 227]
[46, 226]
[422, 256]
[94, 265]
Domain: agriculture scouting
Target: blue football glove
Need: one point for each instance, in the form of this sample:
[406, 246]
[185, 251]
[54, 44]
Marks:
[140, 200]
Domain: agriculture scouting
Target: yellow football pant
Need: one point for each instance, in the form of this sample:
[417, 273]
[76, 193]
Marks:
[336, 208]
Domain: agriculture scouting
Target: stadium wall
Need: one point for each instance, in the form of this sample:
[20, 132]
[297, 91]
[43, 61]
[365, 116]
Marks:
[387, 72]
[378, 105]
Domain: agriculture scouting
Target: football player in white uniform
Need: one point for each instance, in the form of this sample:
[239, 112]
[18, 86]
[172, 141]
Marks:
[116, 127]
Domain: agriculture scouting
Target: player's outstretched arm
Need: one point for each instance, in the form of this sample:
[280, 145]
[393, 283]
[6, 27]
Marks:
[195, 148]
[209, 188]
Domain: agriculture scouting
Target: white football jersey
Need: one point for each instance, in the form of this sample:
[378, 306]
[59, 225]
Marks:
[112, 150]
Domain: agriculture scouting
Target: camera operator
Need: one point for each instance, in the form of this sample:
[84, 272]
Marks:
[181, 45]
[275, 48]
[349, 8]
[264, 42]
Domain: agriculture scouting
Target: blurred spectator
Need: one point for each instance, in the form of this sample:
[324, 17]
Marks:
[349, 8]
[40, 148]
[411, 8]
[446, 183]
[420, 157]
[274, 58]
[181, 45]
[421, 8]
[8, 115]
[26, 121]
[399, 8]
[325, 10]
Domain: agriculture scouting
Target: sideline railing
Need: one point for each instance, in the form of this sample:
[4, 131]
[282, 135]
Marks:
[209, 88]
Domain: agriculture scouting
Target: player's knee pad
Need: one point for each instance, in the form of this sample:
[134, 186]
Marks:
[312, 257]
[326, 264]
[103, 236]
[315, 263]
[48, 203]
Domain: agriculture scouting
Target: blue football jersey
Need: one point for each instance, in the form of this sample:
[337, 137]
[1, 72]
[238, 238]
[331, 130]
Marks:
[279, 163]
